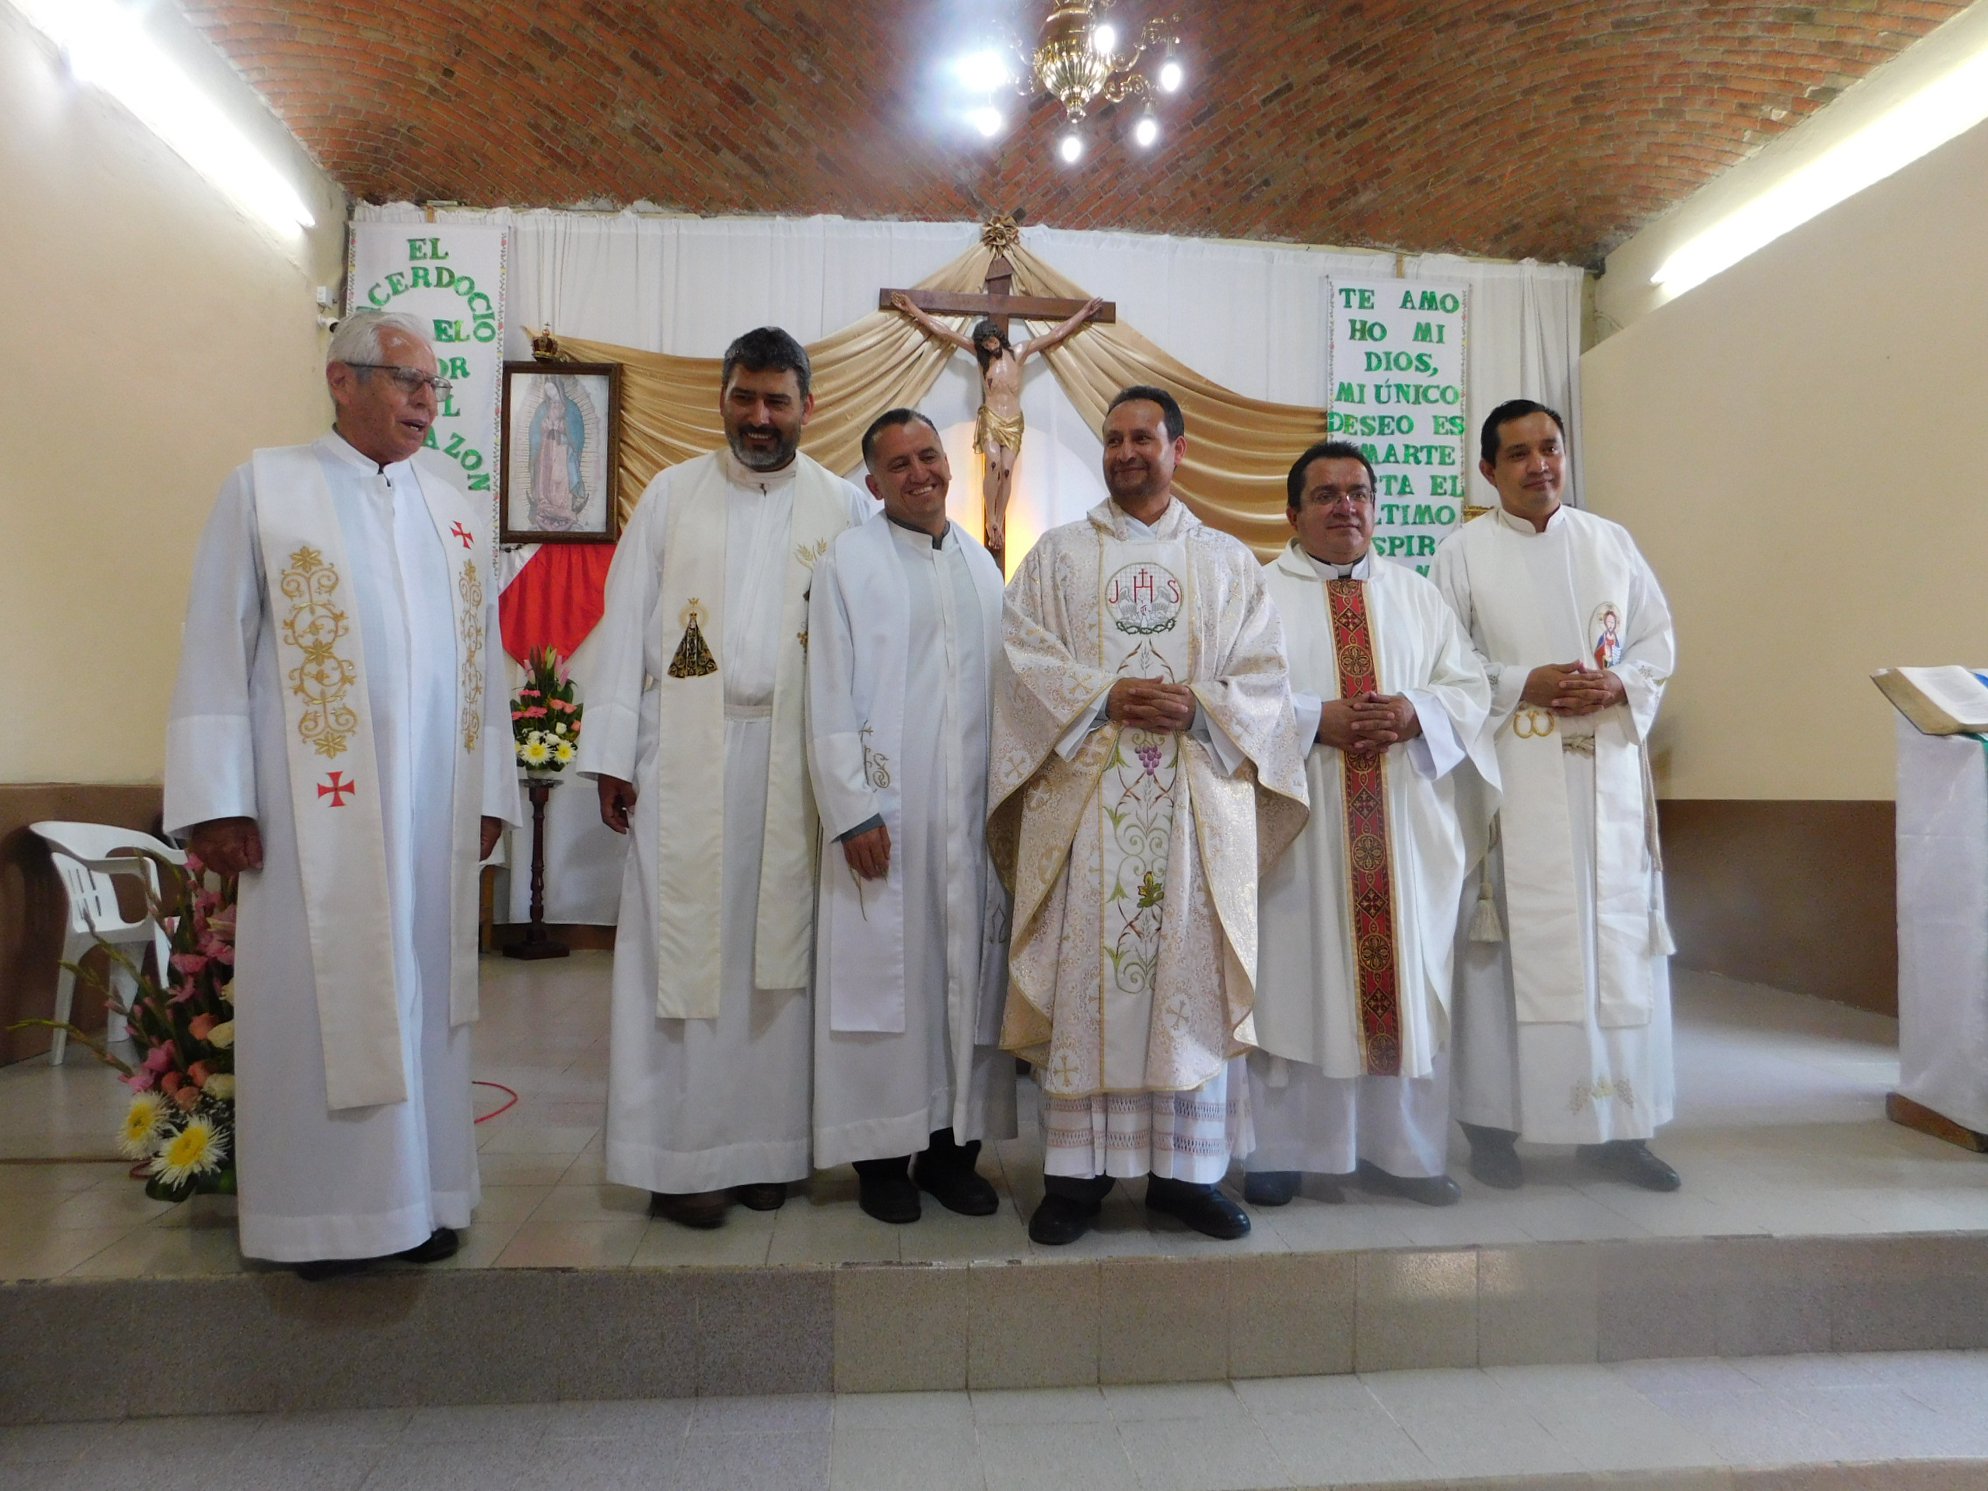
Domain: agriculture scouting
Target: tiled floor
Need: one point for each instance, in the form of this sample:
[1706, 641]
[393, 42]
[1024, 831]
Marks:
[1780, 1130]
[1390, 1427]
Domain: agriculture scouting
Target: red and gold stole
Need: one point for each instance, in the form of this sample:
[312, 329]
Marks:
[1370, 871]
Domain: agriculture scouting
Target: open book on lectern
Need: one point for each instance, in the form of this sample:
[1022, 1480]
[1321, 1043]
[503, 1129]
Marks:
[1939, 701]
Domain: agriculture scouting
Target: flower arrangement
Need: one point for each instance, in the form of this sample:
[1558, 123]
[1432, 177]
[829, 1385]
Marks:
[180, 1126]
[545, 722]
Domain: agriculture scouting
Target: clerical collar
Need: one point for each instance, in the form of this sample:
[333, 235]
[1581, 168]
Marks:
[741, 475]
[1524, 525]
[341, 449]
[1360, 569]
[938, 539]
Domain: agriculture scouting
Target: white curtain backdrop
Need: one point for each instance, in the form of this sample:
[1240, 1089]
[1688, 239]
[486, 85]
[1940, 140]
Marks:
[1252, 316]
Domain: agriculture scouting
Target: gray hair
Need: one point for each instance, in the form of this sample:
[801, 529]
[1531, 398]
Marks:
[357, 340]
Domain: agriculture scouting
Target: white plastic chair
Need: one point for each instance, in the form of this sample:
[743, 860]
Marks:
[88, 856]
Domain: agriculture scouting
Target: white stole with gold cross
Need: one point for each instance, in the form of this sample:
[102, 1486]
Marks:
[333, 766]
[690, 751]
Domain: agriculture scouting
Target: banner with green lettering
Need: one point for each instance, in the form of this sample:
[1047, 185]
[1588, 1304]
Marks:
[1395, 371]
[451, 279]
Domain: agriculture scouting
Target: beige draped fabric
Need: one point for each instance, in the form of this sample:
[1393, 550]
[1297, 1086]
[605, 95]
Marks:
[1238, 449]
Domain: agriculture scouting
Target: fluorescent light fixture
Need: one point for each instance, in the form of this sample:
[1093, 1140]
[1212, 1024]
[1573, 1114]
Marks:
[1171, 75]
[1071, 148]
[1146, 131]
[1104, 39]
[987, 120]
[106, 45]
[1919, 125]
[982, 72]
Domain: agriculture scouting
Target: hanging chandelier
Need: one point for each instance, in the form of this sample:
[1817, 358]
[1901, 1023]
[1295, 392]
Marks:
[1081, 60]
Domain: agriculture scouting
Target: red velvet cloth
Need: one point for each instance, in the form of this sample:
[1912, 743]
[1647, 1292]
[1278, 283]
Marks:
[556, 599]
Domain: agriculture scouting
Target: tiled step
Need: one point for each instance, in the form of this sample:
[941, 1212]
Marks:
[80, 1349]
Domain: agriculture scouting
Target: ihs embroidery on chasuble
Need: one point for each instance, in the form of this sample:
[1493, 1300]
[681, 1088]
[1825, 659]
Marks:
[470, 625]
[315, 625]
[1370, 875]
[693, 659]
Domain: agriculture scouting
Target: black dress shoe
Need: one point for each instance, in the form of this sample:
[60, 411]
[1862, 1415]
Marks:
[701, 1209]
[888, 1195]
[317, 1270]
[442, 1243]
[1428, 1190]
[1061, 1219]
[956, 1188]
[762, 1196]
[1494, 1157]
[1271, 1187]
[1202, 1207]
[1630, 1160]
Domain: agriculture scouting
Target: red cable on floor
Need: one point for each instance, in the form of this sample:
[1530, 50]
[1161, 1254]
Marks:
[495, 1111]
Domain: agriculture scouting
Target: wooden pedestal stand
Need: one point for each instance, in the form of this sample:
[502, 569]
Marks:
[538, 942]
[1901, 1109]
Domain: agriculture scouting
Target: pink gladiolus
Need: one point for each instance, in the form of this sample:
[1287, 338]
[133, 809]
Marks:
[189, 963]
[527, 692]
[140, 1080]
[158, 1059]
[200, 1025]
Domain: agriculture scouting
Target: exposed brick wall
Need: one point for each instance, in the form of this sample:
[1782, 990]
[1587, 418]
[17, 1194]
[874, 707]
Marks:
[1552, 130]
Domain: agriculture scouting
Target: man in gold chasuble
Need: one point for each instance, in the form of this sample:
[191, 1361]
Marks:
[1146, 764]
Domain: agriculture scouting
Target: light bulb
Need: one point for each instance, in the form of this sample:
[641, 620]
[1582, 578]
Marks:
[982, 72]
[988, 121]
[1071, 148]
[1171, 75]
[1104, 38]
[1147, 130]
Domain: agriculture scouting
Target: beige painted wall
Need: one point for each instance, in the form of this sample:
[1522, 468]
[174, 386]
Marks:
[155, 336]
[1798, 445]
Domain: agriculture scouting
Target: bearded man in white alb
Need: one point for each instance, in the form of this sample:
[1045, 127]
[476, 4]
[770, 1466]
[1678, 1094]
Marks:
[1146, 763]
[1359, 919]
[904, 626]
[335, 742]
[695, 733]
[1563, 1020]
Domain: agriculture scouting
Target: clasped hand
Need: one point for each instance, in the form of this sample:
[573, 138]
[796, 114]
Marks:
[1572, 688]
[1148, 704]
[1367, 724]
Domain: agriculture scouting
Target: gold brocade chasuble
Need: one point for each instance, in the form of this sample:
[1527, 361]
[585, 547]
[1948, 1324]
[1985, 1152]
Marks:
[1134, 859]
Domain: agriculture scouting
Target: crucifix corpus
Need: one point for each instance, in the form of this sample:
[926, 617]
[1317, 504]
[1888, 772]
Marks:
[997, 432]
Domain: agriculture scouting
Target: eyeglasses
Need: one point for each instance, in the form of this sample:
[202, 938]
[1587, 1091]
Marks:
[410, 380]
[1333, 497]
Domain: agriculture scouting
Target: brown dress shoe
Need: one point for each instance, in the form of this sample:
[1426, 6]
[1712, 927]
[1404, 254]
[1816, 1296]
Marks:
[763, 1196]
[703, 1209]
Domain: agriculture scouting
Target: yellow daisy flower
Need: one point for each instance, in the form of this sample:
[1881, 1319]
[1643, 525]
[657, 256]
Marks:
[534, 752]
[563, 752]
[141, 1125]
[197, 1149]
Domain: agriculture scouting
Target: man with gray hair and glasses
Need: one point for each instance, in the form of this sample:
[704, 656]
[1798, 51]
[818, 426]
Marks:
[334, 741]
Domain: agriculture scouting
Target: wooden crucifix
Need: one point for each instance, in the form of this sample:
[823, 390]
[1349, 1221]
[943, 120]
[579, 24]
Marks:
[997, 433]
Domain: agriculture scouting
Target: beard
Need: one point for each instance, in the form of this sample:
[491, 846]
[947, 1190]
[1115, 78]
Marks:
[1135, 485]
[784, 448]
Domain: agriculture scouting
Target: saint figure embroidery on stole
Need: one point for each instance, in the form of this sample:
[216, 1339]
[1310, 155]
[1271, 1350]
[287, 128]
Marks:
[693, 659]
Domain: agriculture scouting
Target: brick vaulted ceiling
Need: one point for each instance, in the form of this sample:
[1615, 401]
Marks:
[1553, 130]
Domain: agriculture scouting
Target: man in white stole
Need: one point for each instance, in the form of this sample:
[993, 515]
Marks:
[334, 740]
[1359, 919]
[1145, 763]
[695, 733]
[1563, 1021]
[904, 624]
